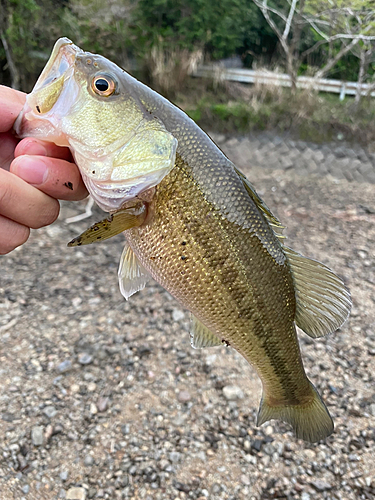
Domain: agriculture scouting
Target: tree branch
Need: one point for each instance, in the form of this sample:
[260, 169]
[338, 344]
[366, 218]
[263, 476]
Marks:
[288, 23]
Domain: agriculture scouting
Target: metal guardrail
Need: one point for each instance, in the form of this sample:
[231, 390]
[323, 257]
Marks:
[281, 79]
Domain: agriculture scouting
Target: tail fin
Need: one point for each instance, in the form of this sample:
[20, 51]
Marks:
[310, 421]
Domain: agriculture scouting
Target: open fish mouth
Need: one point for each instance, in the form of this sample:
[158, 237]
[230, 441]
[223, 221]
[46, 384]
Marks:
[60, 63]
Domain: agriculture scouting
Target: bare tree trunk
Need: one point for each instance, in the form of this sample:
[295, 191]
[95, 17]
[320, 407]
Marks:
[14, 73]
[291, 71]
[361, 76]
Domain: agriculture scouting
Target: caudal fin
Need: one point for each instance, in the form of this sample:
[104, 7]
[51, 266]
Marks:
[310, 421]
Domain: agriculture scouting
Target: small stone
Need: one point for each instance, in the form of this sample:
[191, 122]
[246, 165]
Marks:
[25, 489]
[37, 435]
[305, 496]
[62, 493]
[103, 403]
[64, 475]
[232, 392]
[50, 411]
[125, 429]
[76, 494]
[247, 445]
[175, 456]
[64, 366]
[321, 485]
[91, 387]
[84, 358]
[93, 409]
[257, 444]
[177, 314]
[89, 460]
[269, 449]
[184, 397]
[48, 432]
[245, 480]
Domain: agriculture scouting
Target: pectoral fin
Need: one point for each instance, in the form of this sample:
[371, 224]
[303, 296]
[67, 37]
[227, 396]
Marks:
[201, 336]
[115, 224]
[132, 276]
[323, 301]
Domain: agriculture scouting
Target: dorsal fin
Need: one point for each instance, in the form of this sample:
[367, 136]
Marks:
[323, 301]
[271, 218]
[201, 336]
[132, 276]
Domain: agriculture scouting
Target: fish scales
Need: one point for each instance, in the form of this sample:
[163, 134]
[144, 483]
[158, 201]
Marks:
[193, 222]
[225, 276]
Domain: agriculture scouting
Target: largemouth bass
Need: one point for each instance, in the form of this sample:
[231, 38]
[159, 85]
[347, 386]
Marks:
[193, 222]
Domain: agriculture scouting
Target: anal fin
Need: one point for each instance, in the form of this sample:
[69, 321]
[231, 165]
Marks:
[132, 276]
[201, 336]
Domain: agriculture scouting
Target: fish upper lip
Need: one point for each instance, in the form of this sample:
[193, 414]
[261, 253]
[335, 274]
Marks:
[62, 59]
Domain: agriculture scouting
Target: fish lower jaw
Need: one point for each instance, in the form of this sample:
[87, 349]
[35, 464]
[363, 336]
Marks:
[111, 195]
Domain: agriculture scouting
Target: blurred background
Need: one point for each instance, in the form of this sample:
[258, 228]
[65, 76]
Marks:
[102, 398]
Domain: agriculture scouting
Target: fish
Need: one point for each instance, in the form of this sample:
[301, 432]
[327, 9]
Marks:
[194, 223]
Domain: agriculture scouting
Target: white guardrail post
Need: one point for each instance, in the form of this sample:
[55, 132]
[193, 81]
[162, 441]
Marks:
[281, 79]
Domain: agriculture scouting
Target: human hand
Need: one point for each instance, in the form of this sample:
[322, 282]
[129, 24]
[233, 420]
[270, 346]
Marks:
[33, 175]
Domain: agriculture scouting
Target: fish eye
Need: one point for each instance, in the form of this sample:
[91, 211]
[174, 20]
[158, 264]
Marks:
[103, 85]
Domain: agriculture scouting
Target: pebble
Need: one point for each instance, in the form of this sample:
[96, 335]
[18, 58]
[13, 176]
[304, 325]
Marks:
[178, 315]
[37, 435]
[64, 366]
[64, 475]
[321, 485]
[232, 392]
[76, 494]
[25, 489]
[184, 397]
[84, 358]
[50, 411]
[89, 460]
[103, 403]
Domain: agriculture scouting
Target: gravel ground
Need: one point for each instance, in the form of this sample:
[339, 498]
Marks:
[102, 398]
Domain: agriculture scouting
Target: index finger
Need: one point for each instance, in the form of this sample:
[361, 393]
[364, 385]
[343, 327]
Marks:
[11, 103]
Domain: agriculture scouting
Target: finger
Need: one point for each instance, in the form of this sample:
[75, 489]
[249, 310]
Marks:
[12, 102]
[25, 204]
[12, 235]
[7, 144]
[57, 178]
[31, 146]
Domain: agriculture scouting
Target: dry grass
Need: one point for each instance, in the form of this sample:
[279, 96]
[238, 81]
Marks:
[233, 107]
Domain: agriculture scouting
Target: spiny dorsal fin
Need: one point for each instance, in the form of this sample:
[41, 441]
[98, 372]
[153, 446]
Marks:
[201, 336]
[132, 276]
[115, 224]
[271, 218]
[323, 301]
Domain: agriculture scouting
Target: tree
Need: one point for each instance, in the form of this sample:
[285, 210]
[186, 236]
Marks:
[321, 16]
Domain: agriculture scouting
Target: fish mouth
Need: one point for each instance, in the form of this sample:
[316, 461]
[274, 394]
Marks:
[61, 62]
[38, 118]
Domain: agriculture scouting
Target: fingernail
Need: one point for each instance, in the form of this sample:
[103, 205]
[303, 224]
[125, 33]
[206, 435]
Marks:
[31, 169]
[35, 148]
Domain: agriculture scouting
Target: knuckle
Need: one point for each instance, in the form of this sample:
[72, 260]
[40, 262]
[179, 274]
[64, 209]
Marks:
[48, 215]
[17, 235]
